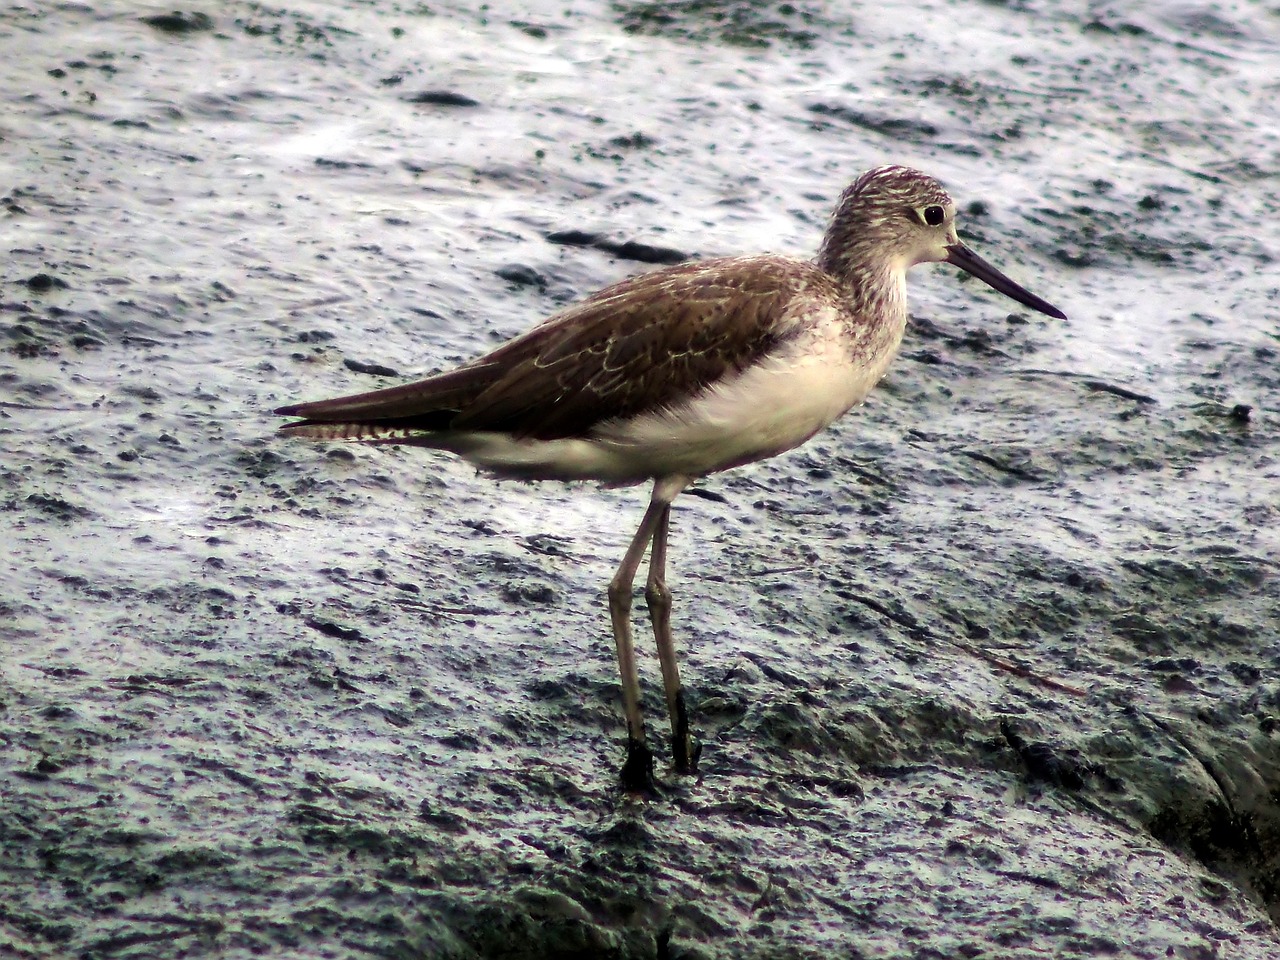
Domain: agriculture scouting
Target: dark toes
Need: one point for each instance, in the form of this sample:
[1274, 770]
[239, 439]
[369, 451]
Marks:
[637, 770]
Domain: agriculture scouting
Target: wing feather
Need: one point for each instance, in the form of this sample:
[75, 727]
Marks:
[650, 341]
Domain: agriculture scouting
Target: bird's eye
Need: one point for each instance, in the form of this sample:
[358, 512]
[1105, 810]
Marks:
[933, 215]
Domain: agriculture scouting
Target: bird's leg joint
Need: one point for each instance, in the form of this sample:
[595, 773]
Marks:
[620, 595]
[658, 596]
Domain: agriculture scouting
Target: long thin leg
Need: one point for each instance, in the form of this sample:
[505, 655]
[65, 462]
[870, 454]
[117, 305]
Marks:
[637, 771]
[684, 749]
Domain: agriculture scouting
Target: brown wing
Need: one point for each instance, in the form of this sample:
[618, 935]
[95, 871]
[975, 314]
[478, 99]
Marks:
[646, 342]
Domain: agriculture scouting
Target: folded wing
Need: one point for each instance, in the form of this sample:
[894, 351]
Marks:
[644, 343]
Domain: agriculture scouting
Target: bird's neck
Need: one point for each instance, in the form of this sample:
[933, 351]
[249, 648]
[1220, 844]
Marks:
[857, 261]
[875, 289]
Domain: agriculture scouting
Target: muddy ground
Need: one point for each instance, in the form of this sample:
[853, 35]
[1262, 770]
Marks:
[987, 670]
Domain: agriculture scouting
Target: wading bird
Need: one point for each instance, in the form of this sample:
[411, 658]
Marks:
[678, 373]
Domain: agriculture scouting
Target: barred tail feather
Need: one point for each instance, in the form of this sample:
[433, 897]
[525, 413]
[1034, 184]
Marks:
[356, 432]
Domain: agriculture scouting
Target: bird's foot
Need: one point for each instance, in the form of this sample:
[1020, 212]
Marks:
[685, 751]
[637, 770]
[685, 747]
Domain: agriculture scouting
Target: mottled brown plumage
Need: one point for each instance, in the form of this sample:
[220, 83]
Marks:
[678, 373]
[652, 340]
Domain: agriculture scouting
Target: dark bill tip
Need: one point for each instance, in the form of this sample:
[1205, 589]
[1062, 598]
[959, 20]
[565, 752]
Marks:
[961, 256]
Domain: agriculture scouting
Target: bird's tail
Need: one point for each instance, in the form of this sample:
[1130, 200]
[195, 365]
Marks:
[356, 432]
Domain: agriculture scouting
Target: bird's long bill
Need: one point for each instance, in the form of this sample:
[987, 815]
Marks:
[961, 256]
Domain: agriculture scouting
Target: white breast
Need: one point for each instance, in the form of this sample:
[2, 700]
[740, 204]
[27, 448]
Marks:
[777, 403]
[774, 405]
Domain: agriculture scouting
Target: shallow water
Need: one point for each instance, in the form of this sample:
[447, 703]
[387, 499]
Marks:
[260, 696]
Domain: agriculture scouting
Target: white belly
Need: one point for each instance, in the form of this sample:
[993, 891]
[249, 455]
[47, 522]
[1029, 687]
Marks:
[770, 408]
[775, 405]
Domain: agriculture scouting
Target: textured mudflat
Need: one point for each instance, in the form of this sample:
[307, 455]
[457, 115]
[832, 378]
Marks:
[989, 670]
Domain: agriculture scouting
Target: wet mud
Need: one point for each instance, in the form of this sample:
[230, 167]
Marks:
[986, 670]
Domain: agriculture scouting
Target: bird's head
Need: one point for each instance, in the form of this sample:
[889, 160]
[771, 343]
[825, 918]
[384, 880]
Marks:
[892, 218]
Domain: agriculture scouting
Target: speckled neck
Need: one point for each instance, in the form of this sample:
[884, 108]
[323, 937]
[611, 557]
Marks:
[874, 292]
[860, 252]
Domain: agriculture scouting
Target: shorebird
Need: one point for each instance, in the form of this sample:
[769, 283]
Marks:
[678, 373]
